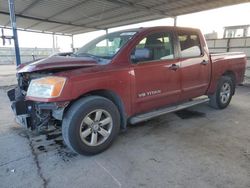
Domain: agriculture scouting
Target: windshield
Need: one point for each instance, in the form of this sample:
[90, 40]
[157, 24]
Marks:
[105, 47]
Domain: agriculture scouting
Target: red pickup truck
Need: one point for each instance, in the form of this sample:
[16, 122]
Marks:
[126, 76]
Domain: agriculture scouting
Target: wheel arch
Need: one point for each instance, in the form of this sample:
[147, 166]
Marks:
[111, 96]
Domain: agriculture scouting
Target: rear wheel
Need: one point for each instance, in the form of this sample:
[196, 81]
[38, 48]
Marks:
[223, 94]
[90, 125]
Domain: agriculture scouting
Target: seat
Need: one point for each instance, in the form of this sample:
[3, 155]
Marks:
[156, 47]
[188, 43]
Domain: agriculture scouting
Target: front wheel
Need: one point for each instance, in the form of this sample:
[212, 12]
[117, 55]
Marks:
[223, 94]
[90, 125]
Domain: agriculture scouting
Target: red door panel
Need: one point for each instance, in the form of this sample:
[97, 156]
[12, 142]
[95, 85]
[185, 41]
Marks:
[195, 77]
[156, 85]
[195, 70]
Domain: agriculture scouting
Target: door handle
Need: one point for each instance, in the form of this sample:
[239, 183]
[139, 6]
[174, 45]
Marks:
[204, 62]
[174, 67]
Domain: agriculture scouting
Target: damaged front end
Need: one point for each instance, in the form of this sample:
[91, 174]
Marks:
[30, 114]
[41, 81]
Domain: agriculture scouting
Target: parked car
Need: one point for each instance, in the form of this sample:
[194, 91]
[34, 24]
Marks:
[126, 76]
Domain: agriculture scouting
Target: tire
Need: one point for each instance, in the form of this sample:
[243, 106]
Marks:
[84, 129]
[223, 94]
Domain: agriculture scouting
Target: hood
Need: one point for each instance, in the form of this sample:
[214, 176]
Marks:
[57, 63]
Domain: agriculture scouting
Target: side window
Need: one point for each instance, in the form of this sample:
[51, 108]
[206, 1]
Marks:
[157, 46]
[190, 45]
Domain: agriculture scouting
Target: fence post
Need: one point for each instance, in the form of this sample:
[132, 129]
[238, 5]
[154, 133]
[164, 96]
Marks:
[228, 44]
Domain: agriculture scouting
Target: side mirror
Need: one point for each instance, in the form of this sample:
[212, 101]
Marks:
[141, 54]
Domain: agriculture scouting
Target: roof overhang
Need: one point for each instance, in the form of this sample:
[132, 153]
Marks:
[81, 16]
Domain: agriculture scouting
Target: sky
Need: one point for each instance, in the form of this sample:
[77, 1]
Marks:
[207, 21]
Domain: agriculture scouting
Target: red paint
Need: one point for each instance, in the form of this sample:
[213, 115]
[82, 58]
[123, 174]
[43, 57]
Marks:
[128, 80]
[57, 62]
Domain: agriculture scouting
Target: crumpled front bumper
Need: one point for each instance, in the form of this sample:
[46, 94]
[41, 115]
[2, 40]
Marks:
[33, 115]
[22, 109]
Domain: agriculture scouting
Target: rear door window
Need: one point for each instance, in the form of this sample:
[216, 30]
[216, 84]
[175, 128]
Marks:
[190, 45]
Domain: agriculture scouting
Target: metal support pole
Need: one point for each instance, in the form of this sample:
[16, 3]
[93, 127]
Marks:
[72, 43]
[14, 30]
[53, 44]
[175, 21]
[107, 42]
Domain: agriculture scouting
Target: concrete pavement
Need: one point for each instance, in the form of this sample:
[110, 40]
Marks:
[198, 147]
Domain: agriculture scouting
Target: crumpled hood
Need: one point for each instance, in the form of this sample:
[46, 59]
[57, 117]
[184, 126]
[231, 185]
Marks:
[57, 63]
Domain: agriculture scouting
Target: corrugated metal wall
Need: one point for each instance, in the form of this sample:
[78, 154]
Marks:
[7, 55]
[231, 45]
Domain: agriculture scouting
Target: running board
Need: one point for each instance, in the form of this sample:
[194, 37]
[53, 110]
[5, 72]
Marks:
[162, 111]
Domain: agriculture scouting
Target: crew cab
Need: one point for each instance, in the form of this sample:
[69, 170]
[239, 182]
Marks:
[127, 76]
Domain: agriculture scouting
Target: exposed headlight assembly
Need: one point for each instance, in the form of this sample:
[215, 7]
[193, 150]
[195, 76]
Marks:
[47, 87]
